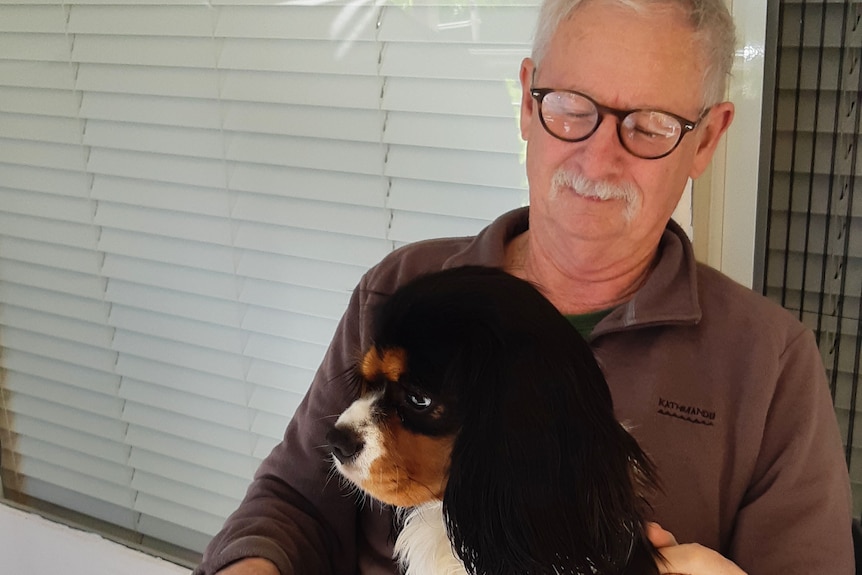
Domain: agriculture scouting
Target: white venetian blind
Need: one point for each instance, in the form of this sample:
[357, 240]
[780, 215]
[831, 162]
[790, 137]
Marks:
[189, 192]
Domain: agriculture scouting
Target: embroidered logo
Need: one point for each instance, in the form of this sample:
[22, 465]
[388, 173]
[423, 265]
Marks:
[690, 413]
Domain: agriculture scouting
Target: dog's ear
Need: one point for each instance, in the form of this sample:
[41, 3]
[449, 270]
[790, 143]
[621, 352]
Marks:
[544, 480]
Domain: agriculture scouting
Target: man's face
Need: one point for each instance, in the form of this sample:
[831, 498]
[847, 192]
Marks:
[624, 60]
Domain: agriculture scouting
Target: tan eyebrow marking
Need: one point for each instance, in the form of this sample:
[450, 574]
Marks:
[391, 363]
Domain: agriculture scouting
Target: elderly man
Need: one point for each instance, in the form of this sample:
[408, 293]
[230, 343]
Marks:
[621, 104]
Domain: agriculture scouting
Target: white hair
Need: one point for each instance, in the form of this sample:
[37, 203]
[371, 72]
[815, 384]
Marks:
[709, 19]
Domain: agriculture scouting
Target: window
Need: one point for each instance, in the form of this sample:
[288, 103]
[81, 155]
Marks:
[188, 194]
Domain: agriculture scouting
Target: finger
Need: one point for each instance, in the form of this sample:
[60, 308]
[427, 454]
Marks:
[694, 559]
[659, 536]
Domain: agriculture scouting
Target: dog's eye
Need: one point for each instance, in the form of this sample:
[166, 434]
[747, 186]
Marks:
[418, 402]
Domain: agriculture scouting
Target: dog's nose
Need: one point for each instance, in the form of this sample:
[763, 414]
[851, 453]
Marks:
[344, 443]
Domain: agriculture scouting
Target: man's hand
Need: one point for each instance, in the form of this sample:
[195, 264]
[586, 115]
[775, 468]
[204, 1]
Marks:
[251, 566]
[689, 558]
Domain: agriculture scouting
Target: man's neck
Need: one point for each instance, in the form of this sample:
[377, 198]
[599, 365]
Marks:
[576, 285]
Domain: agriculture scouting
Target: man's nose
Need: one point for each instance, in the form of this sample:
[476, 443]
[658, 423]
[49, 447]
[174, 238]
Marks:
[600, 154]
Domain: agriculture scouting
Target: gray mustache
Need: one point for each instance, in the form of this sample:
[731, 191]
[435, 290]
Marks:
[598, 189]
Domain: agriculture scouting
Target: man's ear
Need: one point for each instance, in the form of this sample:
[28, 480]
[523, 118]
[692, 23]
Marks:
[713, 128]
[527, 102]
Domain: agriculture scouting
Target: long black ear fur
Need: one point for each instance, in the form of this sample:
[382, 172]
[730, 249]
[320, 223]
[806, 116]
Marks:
[544, 480]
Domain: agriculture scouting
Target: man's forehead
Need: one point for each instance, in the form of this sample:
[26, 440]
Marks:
[625, 59]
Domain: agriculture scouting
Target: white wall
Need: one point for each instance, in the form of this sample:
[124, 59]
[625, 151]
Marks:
[32, 545]
[738, 207]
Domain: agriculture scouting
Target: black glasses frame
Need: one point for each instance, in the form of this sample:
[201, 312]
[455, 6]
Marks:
[687, 125]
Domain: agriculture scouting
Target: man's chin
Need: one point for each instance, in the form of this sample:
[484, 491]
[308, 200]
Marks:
[593, 223]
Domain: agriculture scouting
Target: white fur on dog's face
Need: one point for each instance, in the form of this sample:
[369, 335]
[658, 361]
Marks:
[393, 460]
[359, 417]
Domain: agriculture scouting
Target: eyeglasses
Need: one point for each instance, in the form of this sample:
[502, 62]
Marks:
[649, 134]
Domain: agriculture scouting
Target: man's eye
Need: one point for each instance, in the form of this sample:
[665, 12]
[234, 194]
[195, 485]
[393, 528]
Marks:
[576, 116]
[647, 133]
[418, 402]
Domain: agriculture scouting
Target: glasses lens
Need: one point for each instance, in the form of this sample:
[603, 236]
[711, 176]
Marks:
[650, 134]
[569, 116]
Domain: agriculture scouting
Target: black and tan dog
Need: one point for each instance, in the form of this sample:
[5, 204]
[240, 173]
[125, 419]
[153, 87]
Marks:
[484, 417]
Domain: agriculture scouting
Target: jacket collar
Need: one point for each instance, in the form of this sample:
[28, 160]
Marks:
[668, 297]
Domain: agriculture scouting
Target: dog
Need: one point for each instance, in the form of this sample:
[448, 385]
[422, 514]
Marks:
[485, 420]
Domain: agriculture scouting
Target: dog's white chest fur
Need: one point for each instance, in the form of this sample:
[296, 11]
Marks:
[423, 545]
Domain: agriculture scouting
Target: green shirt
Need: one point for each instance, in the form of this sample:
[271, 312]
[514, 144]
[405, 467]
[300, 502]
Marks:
[585, 322]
